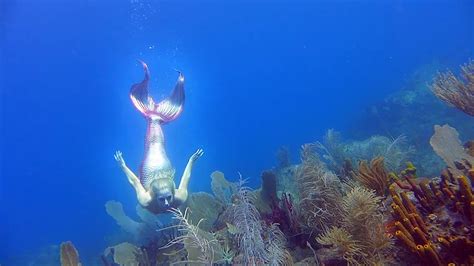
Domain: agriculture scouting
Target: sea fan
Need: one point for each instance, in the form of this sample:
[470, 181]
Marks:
[246, 219]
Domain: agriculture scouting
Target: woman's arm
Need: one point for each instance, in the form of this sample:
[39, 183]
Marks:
[142, 195]
[182, 191]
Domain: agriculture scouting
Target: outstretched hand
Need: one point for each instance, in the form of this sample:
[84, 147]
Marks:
[196, 155]
[119, 158]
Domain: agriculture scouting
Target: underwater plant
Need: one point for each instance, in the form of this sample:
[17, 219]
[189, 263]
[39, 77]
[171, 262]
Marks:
[246, 220]
[338, 153]
[202, 247]
[373, 176]
[275, 242]
[457, 91]
[318, 191]
[332, 149]
[360, 238]
[341, 244]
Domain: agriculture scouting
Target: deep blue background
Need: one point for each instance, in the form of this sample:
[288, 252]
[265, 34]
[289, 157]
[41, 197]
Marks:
[258, 76]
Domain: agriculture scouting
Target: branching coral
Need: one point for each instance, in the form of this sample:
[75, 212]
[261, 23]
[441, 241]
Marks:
[458, 92]
[364, 220]
[342, 244]
[360, 238]
[202, 246]
[275, 242]
[332, 149]
[318, 191]
[373, 176]
[434, 219]
[246, 219]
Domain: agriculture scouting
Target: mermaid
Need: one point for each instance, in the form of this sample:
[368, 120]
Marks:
[155, 187]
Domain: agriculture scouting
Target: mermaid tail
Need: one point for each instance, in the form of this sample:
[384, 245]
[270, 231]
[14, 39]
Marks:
[168, 109]
[155, 163]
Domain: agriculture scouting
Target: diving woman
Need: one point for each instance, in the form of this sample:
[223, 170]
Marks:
[155, 187]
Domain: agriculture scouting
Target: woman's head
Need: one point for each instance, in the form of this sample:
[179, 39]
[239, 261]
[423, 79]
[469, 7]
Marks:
[162, 190]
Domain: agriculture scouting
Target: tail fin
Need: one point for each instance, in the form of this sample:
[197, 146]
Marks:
[168, 109]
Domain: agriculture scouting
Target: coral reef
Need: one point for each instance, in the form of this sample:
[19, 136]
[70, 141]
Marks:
[434, 218]
[373, 176]
[322, 211]
[341, 243]
[341, 155]
[283, 157]
[446, 144]
[221, 188]
[412, 110]
[202, 247]
[124, 254]
[275, 242]
[246, 219]
[360, 238]
[69, 255]
[457, 91]
[204, 207]
[141, 232]
[319, 192]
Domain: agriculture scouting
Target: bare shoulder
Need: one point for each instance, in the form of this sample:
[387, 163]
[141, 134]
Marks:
[180, 196]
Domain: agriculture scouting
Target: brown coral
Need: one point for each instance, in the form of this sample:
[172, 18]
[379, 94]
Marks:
[373, 176]
[458, 92]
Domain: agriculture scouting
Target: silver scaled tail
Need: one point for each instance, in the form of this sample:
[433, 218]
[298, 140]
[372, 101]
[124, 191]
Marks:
[155, 163]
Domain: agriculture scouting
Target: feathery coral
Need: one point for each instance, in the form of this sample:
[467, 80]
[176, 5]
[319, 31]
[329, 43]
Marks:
[341, 243]
[275, 246]
[318, 191]
[202, 247]
[249, 228]
[373, 176]
[458, 92]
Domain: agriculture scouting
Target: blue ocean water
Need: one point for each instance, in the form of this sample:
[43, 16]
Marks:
[259, 75]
